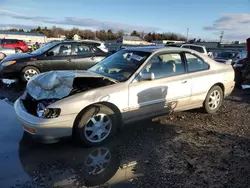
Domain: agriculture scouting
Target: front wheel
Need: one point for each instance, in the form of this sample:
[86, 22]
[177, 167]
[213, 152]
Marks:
[28, 72]
[96, 125]
[2, 56]
[213, 100]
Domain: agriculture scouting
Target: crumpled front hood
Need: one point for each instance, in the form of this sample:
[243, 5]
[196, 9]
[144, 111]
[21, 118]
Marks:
[54, 84]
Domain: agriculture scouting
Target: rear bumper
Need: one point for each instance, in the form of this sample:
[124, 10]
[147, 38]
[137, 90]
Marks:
[44, 129]
[229, 88]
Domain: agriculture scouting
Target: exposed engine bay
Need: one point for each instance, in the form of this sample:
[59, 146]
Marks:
[49, 87]
[87, 83]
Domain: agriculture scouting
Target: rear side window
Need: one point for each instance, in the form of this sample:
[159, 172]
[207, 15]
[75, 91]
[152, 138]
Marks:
[186, 46]
[10, 41]
[5, 41]
[13, 41]
[197, 48]
[195, 63]
[81, 49]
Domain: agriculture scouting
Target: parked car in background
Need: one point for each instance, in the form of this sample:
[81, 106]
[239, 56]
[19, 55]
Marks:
[19, 45]
[132, 84]
[198, 48]
[4, 52]
[60, 55]
[238, 67]
[232, 56]
[98, 44]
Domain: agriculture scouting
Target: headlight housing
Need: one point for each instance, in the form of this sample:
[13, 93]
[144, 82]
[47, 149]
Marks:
[51, 113]
[8, 63]
[47, 113]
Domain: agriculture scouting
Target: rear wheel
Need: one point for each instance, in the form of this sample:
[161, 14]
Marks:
[213, 100]
[2, 56]
[96, 125]
[28, 72]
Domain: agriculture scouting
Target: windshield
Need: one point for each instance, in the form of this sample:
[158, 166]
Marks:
[227, 55]
[44, 48]
[121, 65]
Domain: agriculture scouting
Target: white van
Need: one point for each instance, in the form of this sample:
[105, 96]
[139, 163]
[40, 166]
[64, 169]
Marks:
[198, 48]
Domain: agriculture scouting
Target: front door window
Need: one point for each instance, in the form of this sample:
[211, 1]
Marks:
[165, 65]
[62, 50]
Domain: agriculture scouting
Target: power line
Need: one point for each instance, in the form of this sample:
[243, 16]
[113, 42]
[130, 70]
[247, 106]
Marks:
[221, 36]
[187, 34]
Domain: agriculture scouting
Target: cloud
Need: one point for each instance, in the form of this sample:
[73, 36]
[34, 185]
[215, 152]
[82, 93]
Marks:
[78, 22]
[17, 26]
[235, 26]
[4, 12]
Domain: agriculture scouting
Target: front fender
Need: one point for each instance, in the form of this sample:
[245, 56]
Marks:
[75, 103]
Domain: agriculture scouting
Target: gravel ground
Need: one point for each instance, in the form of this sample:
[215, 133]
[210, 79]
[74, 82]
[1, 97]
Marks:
[186, 149]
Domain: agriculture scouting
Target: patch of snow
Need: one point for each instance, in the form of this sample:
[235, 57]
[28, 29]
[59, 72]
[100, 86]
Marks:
[245, 86]
[8, 81]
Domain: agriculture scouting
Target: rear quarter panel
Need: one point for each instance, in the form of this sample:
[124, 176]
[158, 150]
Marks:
[203, 81]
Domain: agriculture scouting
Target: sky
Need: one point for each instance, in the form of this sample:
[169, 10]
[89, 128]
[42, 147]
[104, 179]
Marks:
[205, 19]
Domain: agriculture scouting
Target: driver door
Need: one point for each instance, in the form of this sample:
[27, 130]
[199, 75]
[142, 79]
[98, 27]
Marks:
[170, 89]
[61, 58]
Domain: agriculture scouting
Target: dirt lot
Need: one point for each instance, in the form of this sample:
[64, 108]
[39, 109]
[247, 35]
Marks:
[187, 149]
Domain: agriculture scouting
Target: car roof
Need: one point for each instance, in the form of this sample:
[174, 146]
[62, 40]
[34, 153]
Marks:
[144, 48]
[193, 45]
[156, 49]
[184, 44]
[76, 41]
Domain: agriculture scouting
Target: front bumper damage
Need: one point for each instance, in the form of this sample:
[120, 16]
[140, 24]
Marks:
[44, 129]
[46, 89]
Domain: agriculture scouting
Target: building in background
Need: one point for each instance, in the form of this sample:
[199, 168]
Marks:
[167, 41]
[25, 36]
[76, 37]
[132, 40]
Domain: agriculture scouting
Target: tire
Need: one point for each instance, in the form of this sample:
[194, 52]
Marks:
[212, 107]
[28, 72]
[89, 135]
[2, 56]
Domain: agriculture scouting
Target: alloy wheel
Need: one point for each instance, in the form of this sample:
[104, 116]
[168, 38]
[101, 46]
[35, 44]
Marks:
[214, 100]
[98, 128]
[29, 73]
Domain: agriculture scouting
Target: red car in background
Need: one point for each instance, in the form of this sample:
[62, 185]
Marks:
[19, 45]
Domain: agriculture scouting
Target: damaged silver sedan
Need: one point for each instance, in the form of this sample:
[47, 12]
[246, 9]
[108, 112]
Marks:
[130, 85]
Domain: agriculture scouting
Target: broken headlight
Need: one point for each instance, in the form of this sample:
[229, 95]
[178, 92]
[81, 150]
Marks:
[44, 112]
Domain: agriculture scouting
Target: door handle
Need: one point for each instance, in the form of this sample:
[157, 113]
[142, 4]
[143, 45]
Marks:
[93, 57]
[183, 82]
[69, 60]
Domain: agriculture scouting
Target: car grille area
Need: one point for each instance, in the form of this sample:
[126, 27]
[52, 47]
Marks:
[30, 104]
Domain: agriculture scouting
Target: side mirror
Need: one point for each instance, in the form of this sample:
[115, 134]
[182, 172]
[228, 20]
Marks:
[51, 53]
[146, 76]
